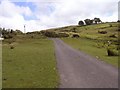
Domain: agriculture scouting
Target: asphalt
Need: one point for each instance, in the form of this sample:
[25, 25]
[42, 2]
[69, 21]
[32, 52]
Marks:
[80, 70]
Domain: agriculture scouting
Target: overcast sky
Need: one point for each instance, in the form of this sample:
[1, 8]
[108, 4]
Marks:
[44, 14]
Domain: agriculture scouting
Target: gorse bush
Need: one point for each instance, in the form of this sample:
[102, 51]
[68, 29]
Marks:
[111, 52]
[12, 47]
[113, 36]
[75, 36]
[102, 32]
[110, 25]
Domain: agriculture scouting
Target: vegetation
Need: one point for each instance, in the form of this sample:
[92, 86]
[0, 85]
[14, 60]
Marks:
[81, 23]
[54, 34]
[96, 39]
[102, 32]
[111, 52]
[90, 22]
[75, 36]
[9, 33]
[92, 47]
[29, 63]
[97, 20]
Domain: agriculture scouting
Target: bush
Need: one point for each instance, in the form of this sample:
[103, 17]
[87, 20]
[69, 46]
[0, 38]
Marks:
[118, 47]
[113, 36]
[74, 30]
[110, 25]
[12, 47]
[102, 32]
[111, 52]
[75, 36]
[50, 34]
[63, 35]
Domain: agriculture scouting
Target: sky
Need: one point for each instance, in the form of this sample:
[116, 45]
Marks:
[39, 15]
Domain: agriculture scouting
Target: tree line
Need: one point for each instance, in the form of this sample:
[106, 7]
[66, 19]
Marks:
[89, 21]
[9, 33]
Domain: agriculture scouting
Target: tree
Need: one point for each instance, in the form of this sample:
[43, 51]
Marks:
[8, 33]
[97, 20]
[81, 23]
[118, 21]
[88, 21]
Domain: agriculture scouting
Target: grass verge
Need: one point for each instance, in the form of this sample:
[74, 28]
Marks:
[89, 46]
[30, 64]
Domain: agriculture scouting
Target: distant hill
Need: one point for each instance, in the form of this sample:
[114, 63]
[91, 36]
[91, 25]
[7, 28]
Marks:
[106, 31]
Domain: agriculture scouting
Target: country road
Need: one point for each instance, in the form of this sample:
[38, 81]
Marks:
[79, 70]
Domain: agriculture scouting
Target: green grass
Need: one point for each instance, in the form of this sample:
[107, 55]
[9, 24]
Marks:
[91, 31]
[92, 42]
[31, 64]
[89, 46]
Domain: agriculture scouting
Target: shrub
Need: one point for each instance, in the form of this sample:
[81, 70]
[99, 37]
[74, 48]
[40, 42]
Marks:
[111, 52]
[50, 34]
[12, 47]
[73, 30]
[118, 47]
[102, 32]
[113, 36]
[75, 36]
[110, 25]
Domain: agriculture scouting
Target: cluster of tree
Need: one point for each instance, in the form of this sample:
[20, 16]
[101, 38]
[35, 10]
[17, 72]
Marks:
[9, 33]
[54, 34]
[89, 21]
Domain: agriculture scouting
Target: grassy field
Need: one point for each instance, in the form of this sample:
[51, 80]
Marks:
[89, 46]
[31, 64]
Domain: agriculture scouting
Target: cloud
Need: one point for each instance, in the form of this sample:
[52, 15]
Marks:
[54, 13]
[68, 12]
[8, 9]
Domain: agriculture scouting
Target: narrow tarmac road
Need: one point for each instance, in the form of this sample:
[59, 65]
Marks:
[79, 70]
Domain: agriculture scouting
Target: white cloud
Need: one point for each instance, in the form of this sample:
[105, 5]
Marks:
[8, 9]
[54, 13]
[14, 22]
[68, 12]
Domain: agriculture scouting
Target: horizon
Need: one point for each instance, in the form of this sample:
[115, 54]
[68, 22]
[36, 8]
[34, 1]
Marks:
[41, 15]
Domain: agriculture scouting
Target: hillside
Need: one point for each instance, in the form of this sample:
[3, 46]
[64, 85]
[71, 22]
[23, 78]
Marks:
[91, 31]
[99, 40]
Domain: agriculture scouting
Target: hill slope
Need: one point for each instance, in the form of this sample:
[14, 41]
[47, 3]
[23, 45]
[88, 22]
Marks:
[99, 40]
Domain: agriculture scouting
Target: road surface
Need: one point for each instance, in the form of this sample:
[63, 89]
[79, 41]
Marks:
[79, 70]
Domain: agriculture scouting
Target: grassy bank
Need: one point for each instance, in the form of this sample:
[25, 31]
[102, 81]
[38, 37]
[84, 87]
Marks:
[31, 64]
[90, 47]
